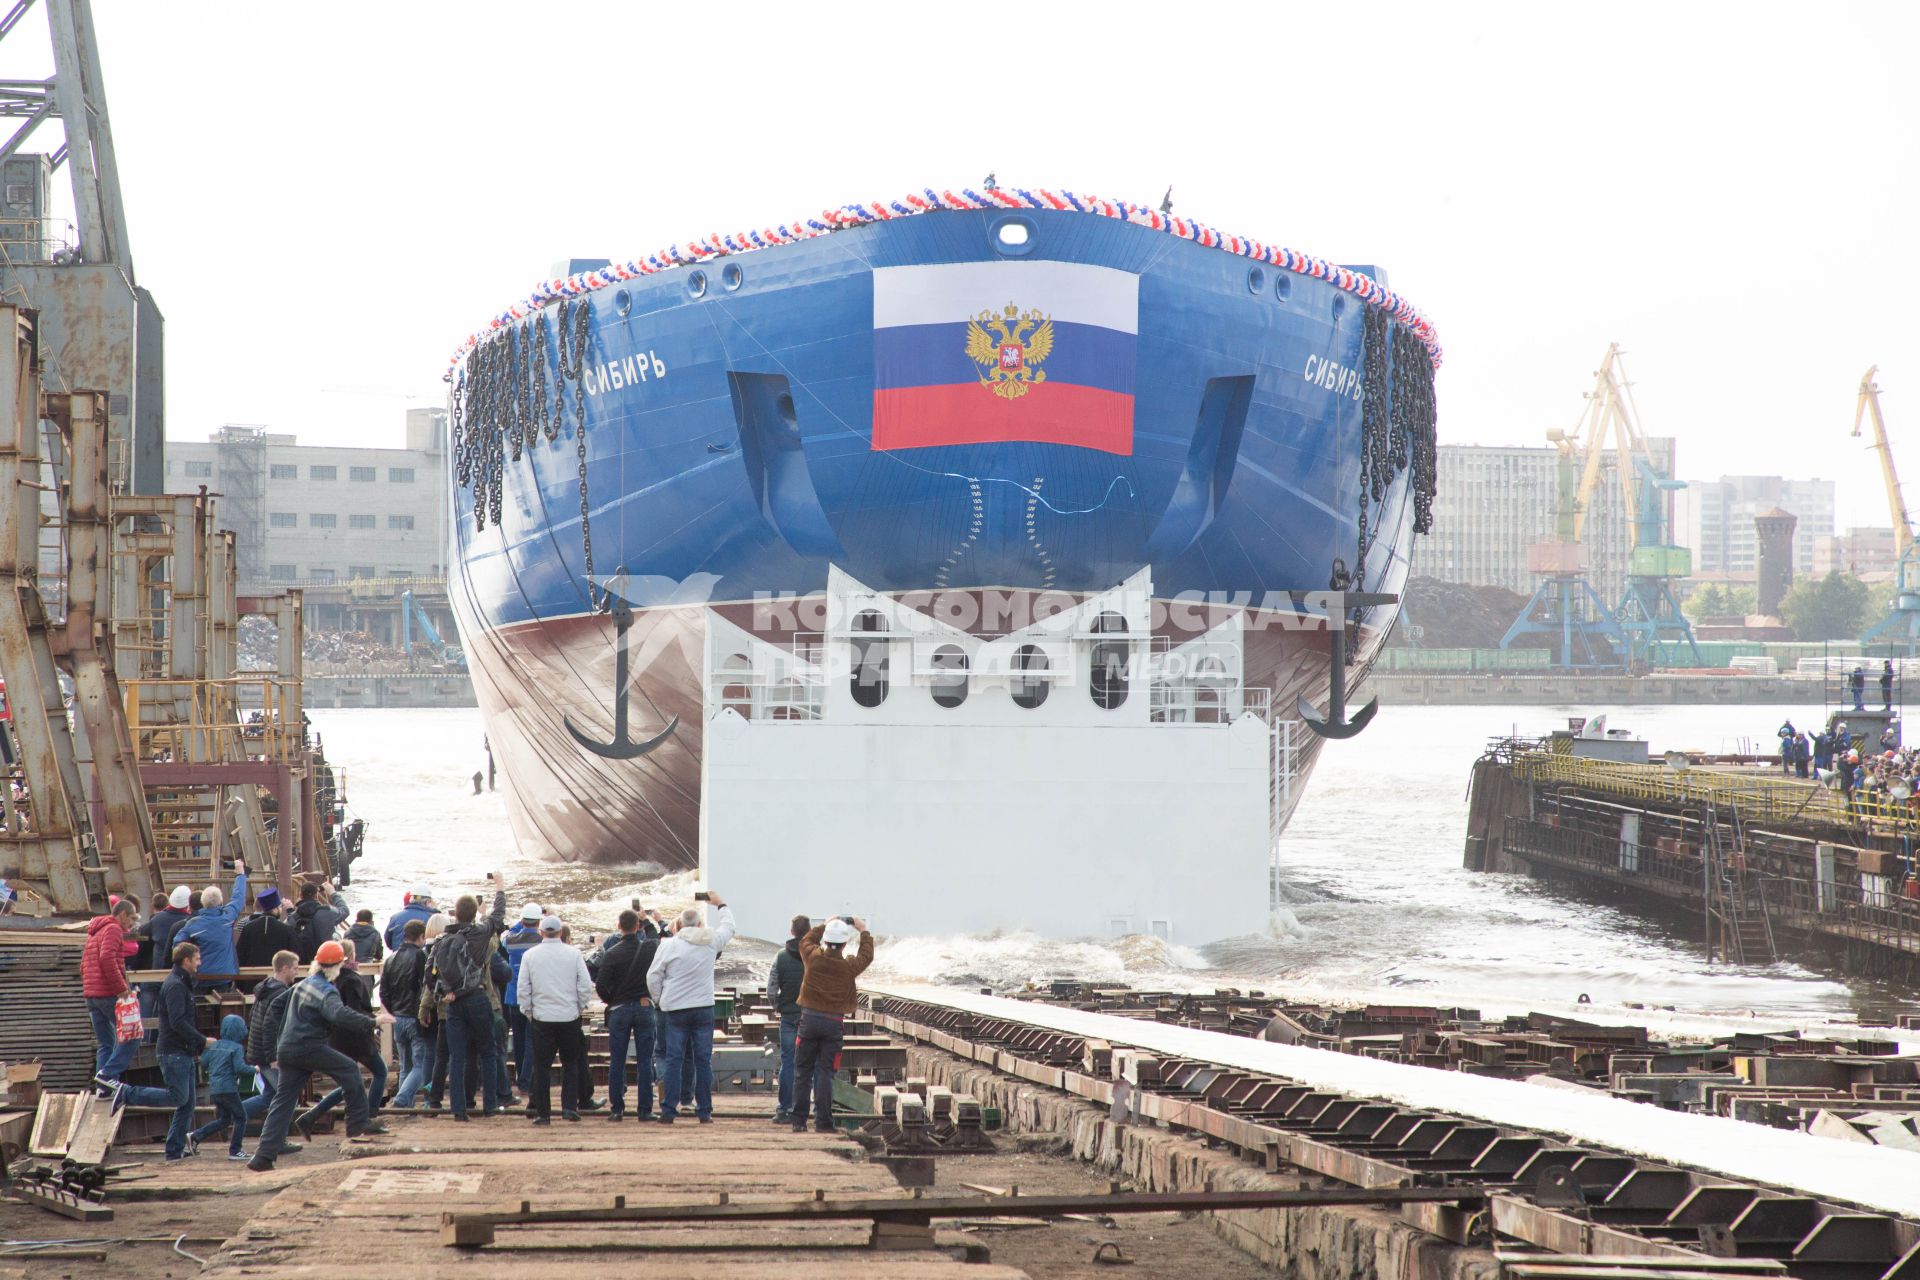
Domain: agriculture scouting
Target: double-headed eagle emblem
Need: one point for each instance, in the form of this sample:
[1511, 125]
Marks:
[1009, 353]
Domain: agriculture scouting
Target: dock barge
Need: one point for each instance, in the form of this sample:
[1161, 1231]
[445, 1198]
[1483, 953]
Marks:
[1769, 865]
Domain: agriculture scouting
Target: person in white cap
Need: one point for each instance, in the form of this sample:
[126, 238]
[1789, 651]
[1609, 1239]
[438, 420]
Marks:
[523, 937]
[827, 997]
[162, 925]
[555, 990]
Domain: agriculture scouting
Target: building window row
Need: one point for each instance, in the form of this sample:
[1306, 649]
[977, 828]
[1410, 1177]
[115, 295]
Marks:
[198, 470]
[330, 520]
[360, 475]
[291, 573]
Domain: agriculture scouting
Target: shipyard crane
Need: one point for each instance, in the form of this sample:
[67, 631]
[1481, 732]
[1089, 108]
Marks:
[1901, 627]
[1658, 633]
[1584, 633]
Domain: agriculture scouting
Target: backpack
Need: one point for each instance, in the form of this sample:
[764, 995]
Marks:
[306, 936]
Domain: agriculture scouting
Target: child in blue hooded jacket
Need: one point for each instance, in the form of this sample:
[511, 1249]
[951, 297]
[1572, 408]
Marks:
[225, 1059]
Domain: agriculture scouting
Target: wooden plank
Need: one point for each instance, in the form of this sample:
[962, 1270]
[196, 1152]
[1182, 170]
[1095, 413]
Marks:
[65, 1206]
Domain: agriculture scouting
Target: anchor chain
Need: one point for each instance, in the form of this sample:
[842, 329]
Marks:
[1375, 462]
[499, 405]
[1413, 396]
[573, 363]
[1398, 427]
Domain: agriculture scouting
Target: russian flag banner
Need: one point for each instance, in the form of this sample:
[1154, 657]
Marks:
[1000, 352]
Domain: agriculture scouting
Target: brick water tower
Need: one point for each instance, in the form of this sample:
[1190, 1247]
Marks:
[1773, 530]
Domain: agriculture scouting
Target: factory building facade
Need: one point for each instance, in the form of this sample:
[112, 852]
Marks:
[317, 515]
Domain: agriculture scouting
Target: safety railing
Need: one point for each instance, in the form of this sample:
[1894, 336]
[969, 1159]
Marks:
[795, 694]
[1206, 704]
[1601, 852]
[202, 720]
[35, 239]
[1847, 907]
[1761, 797]
[1843, 907]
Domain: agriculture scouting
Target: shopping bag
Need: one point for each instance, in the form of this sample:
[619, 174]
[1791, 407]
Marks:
[126, 1018]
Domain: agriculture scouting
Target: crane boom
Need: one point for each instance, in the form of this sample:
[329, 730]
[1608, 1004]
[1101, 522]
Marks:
[1610, 411]
[1869, 404]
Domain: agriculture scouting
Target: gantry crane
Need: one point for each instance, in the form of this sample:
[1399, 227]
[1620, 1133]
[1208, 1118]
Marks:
[1901, 627]
[1647, 627]
[1658, 633]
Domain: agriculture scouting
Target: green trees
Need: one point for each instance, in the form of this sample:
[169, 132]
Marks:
[1716, 601]
[1836, 607]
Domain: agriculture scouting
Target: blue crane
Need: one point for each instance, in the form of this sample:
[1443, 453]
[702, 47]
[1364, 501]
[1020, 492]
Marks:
[410, 611]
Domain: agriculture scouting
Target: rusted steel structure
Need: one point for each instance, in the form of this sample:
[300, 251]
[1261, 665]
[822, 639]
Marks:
[150, 774]
[59, 845]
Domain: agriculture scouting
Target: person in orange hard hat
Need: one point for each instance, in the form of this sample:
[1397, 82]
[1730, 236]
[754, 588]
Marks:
[314, 1011]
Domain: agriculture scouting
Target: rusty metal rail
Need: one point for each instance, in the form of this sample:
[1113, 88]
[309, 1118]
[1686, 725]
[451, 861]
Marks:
[1559, 1197]
[473, 1230]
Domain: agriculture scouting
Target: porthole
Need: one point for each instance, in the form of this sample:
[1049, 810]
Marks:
[949, 676]
[623, 302]
[1282, 285]
[1030, 683]
[1013, 236]
[732, 277]
[1339, 306]
[697, 284]
[1256, 281]
[1110, 659]
[869, 678]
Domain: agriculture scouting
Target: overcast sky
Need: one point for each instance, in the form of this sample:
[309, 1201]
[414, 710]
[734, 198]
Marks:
[326, 198]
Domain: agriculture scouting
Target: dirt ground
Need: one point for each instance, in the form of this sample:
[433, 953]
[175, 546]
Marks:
[1160, 1244]
[327, 1204]
[138, 1242]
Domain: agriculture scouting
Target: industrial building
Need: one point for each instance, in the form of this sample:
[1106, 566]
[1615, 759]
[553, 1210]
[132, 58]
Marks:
[319, 515]
[1866, 553]
[1497, 501]
[1721, 514]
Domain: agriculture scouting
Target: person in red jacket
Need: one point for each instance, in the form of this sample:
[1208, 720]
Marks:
[103, 978]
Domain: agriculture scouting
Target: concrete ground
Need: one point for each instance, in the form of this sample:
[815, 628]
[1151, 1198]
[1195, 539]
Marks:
[347, 1206]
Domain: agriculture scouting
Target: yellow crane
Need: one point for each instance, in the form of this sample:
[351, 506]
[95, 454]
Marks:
[1901, 626]
[1867, 405]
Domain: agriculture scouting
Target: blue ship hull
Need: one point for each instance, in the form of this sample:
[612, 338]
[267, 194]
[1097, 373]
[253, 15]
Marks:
[728, 416]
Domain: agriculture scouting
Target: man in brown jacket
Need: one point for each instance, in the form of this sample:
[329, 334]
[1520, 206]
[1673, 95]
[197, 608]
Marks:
[826, 998]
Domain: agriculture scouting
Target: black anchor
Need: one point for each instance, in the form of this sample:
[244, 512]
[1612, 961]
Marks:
[1336, 724]
[620, 748]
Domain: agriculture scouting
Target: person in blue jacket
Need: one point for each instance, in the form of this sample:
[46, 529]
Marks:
[211, 929]
[226, 1064]
[419, 907]
[516, 942]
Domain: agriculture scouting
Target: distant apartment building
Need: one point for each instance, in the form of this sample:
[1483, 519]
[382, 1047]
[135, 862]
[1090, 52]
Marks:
[321, 514]
[1495, 501]
[1721, 518]
[1865, 553]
